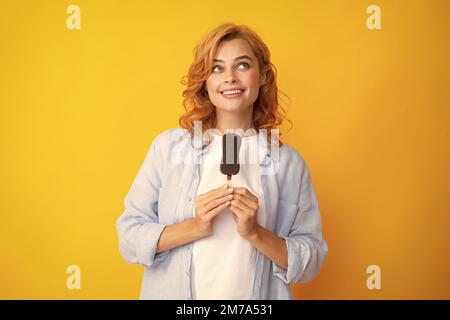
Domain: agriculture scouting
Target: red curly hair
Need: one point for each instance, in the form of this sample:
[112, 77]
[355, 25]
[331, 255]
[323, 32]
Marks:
[267, 112]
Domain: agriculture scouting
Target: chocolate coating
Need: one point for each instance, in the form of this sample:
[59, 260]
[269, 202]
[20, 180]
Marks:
[231, 144]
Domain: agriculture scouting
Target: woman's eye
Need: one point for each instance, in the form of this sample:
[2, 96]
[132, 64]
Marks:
[216, 68]
[242, 65]
[245, 64]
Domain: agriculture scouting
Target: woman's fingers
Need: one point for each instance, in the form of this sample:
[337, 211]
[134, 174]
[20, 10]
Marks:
[245, 201]
[244, 192]
[236, 209]
[213, 194]
[217, 202]
[214, 212]
[241, 207]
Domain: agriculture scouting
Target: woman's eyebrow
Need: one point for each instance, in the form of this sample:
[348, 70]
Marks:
[238, 58]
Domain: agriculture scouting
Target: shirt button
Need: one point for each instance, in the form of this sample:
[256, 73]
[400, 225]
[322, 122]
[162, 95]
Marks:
[190, 199]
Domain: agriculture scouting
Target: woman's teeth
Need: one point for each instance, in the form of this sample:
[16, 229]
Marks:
[232, 91]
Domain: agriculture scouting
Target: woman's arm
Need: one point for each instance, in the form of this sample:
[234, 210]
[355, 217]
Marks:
[272, 246]
[178, 234]
[138, 228]
[303, 236]
[245, 209]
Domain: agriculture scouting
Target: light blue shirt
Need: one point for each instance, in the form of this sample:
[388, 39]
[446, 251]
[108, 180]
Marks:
[163, 193]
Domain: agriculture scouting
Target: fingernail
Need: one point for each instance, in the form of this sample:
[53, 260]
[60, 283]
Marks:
[230, 189]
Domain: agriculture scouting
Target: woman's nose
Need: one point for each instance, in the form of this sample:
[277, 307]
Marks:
[230, 77]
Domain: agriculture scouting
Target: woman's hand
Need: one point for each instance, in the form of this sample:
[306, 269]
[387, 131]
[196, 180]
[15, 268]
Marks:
[208, 205]
[244, 207]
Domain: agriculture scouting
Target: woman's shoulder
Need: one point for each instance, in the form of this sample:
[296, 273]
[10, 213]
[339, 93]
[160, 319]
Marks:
[293, 170]
[171, 136]
[289, 156]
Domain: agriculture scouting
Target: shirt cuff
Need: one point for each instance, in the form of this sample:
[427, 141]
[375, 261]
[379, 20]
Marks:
[292, 273]
[146, 244]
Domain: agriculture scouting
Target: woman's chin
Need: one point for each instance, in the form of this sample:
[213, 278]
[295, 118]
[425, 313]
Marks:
[232, 107]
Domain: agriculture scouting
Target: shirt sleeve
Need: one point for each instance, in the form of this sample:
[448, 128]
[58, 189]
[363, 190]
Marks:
[306, 247]
[138, 228]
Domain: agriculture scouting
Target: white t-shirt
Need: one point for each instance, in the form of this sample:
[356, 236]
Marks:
[223, 264]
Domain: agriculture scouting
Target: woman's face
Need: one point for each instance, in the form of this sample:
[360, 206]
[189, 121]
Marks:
[233, 85]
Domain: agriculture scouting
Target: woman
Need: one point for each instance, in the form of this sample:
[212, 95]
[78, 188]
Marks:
[200, 236]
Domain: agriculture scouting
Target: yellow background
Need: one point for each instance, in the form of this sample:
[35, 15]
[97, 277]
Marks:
[79, 109]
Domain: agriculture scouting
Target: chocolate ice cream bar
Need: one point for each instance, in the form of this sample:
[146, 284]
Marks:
[231, 144]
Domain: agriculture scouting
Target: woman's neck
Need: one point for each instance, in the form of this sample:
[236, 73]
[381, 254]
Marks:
[233, 120]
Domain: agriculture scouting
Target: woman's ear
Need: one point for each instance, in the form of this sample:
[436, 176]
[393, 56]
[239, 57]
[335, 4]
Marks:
[263, 79]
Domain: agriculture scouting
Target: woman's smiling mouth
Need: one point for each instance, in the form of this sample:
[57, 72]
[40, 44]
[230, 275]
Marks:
[233, 93]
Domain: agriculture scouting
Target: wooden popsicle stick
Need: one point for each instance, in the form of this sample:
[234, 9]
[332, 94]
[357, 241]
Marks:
[229, 180]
